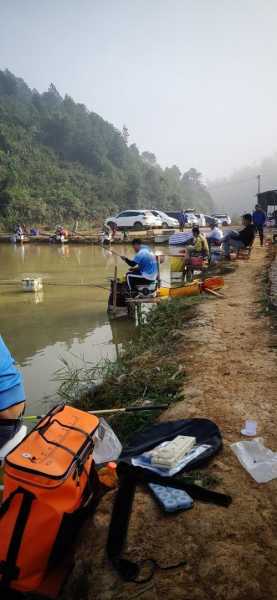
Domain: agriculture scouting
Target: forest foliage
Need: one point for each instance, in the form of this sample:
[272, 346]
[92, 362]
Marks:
[61, 162]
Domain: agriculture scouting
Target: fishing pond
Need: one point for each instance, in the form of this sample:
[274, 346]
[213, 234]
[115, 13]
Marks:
[67, 319]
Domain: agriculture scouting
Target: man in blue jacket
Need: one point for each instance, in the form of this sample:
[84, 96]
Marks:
[144, 266]
[259, 219]
[12, 395]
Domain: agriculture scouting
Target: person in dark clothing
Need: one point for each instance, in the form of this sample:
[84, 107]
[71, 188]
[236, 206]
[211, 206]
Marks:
[240, 239]
[182, 220]
[259, 219]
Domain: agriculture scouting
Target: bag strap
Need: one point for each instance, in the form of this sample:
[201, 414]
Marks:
[129, 476]
[43, 428]
[119, 527]
[56, 444]
[8, 568]
[195, 491]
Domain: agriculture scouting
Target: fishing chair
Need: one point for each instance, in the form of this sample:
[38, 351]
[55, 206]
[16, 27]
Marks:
[215, 250]
[147, 290]
[195, 263]
[244, 253]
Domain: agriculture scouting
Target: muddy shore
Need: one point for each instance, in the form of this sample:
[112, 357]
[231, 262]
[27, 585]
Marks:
[231, 553]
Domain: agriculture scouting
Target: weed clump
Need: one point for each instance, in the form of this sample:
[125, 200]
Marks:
[146, 371]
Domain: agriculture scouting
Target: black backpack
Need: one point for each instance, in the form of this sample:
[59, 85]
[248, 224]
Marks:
[205, 432]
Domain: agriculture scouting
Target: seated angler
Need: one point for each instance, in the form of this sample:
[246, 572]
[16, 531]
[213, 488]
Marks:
[12, 396]
[198, 246]
[215, 236]
[239, 240]
[143, 266]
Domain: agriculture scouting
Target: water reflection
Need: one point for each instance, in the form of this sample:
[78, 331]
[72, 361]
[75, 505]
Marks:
[68, 318]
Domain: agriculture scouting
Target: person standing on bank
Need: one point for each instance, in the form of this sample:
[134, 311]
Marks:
[259, 219]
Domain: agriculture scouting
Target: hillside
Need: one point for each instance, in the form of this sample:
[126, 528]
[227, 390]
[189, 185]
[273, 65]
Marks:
[59, 161]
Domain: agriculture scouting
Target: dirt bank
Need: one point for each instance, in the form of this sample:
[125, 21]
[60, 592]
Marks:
[231, 553]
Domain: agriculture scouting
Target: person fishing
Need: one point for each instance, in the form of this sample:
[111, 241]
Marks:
[19, 232]
[143, 266]
[239, 240]
[12, 395]
[215, 235]
[259, 219]
[197, 245]
[61, 232]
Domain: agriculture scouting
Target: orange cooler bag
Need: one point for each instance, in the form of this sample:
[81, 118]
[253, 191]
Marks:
[50, 483]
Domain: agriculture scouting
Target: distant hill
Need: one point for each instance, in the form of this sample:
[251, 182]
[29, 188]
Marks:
[59, 162]
[237, 193]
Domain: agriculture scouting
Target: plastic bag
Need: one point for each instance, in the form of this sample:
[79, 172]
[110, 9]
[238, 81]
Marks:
[259, 461]
[107, 446]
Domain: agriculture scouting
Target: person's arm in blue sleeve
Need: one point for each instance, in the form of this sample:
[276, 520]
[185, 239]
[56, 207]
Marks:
[131, 263]
[12, 394]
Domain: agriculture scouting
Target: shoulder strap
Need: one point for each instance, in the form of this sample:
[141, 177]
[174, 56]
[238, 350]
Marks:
[129, 476]
[8, 568]
[119, 526]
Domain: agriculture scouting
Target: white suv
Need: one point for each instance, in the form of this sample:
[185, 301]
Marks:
[166, 220]
[201, 219]
[136, 219]
[223, 218]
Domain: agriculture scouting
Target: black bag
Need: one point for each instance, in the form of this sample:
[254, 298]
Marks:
[205, 432]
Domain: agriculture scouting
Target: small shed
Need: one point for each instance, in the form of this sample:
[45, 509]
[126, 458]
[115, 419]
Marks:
[268, 201]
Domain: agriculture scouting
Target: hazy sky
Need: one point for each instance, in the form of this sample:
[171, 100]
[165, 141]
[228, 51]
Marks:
[194, 80]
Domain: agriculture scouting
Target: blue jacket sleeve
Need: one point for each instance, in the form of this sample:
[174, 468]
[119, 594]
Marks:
[11, 384]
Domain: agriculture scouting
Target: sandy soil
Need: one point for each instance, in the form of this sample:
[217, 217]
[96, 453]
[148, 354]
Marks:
[231, 553]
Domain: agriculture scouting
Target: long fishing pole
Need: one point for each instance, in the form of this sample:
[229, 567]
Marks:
[109, 411]
[101, 287]
[112, 252]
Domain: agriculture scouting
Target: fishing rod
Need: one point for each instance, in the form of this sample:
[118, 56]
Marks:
[111, 251]
[109, 411]
[101, 287]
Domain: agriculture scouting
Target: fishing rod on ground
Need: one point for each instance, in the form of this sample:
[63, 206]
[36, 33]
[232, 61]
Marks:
[109, 411]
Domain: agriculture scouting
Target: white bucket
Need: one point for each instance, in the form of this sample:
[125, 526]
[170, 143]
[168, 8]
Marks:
[30, 284]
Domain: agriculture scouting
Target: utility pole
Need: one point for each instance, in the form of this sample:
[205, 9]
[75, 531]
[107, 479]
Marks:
[259, 183]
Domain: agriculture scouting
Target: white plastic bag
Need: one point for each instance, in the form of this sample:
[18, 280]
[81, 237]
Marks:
[107, 446]
[258, 460]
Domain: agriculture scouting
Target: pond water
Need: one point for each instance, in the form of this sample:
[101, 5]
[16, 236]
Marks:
[67, 319]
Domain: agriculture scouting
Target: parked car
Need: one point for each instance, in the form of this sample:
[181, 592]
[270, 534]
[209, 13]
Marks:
[136, 219]
[209, 220]
[190, 217]
[223, 218]
[201, 219]
[167, 221]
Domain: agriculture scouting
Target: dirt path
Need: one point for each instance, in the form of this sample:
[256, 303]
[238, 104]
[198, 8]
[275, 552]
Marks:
[231, 553]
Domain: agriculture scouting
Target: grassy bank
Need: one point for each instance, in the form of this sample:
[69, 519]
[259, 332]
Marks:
[147, 371]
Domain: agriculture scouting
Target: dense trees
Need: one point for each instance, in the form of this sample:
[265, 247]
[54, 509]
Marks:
[60, 161]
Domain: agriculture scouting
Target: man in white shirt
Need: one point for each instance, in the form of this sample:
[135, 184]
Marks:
[215, 236]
